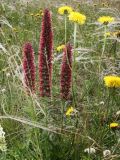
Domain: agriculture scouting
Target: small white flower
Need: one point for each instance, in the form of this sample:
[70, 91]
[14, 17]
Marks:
[3, 90]
[2, 133]
[8, 74]
[106, 153]
[90, 150]
[102, 102]
[3, 145]
[118, 113]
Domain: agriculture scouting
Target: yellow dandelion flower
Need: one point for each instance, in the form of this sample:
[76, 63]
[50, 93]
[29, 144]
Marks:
[106, 19]
[69, 111]
[116, 34]
[107, 34]
[112, 81]
[37, 15]
[113, 125]
[31, 14]
[95, 5]
[41, 12]
[14, 30]
[65, 10]
[77, 17]
[103, 4]
[60, 48]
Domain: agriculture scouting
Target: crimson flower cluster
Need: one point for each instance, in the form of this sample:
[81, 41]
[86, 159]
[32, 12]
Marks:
[45, 55]
[66, 72]
[29, 66]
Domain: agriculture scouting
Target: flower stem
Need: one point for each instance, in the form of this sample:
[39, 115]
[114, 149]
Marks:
[105, 38]
[65, 28]
[75, 33]
[103, 49]
[73, 68]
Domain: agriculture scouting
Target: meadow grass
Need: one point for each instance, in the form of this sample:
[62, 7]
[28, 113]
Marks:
[37, 128]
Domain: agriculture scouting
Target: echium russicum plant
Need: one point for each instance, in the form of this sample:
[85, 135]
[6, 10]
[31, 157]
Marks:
[29, 67]
[66, 72]
[45, 55]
